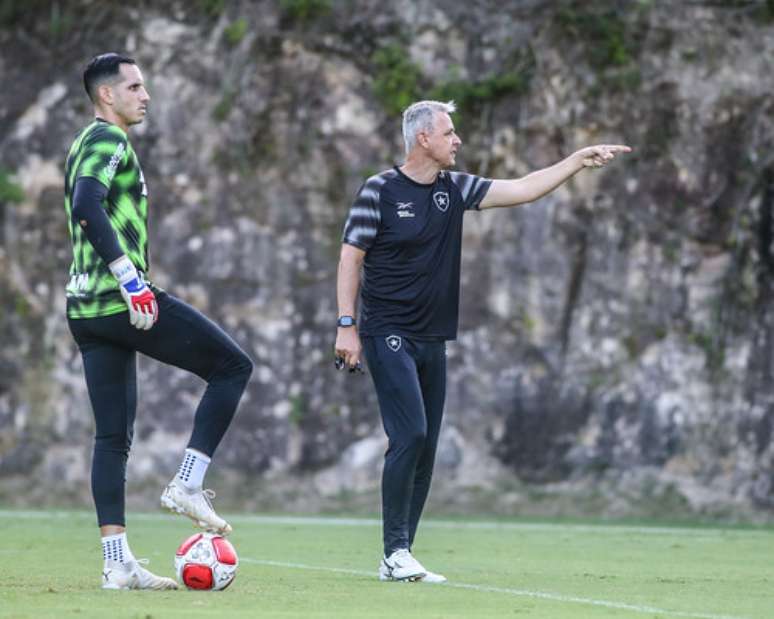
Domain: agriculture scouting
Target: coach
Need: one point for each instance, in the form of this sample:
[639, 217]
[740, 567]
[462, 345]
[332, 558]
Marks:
[404, 231]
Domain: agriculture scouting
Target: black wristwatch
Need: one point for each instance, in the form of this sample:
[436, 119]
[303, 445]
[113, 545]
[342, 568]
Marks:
[345, 321]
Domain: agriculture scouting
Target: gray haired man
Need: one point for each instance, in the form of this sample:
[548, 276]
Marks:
[404, 231]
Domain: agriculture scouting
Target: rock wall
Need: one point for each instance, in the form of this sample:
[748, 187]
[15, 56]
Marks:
[615, 345]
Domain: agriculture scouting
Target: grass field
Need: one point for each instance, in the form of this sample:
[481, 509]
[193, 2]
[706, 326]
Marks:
[326, 567]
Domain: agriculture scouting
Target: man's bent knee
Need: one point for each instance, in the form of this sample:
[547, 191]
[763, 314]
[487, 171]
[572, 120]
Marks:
[236, 367]
[244, 365]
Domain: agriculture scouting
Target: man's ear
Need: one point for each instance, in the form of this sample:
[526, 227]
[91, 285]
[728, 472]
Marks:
[105, 94]
[423, 139]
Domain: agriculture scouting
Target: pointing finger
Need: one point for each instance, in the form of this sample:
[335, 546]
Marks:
[617, 148]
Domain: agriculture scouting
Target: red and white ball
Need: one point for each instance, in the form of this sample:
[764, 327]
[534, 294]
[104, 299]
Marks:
[206, 561]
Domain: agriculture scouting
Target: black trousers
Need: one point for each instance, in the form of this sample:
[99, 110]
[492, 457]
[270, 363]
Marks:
[410, 380]
[182, 337]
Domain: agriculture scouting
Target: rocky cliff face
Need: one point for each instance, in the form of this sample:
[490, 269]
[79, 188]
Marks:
[615, 349]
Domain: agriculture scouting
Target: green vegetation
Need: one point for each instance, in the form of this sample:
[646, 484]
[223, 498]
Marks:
[366, 172]
[22, 306]
[713, 346]
[54, 19]
[662, 126]
[763, 12]
[672, 245]
[468, 93]
[61, 21]
[212, 8]
[223, 107]
[9, 191]
[398, 82]
[610, 39]
[603, 34]
[305, 10]
[293, 567]
[235, 32]
[632, 345]
[626, 78]
[529, 322]
[755, 9]
[11, 11]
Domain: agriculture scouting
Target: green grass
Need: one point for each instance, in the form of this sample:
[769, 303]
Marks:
[296, 567]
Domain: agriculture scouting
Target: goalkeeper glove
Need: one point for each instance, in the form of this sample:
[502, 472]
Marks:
[143, 311]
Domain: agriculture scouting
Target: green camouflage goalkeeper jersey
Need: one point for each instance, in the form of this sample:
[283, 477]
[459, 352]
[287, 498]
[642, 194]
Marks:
[102, 151]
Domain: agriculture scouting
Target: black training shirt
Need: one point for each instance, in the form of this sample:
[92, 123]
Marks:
[412, 235]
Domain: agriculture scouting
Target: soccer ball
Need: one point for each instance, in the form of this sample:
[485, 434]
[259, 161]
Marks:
[206, 561]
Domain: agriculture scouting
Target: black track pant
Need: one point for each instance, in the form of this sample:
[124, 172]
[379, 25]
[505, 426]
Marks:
[182, 337]
[410, 380]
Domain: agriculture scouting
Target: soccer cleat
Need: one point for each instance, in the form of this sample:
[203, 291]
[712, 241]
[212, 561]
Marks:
[400, 565]
[194, 504]
[130, 575]
[429, 577]
[432, 577]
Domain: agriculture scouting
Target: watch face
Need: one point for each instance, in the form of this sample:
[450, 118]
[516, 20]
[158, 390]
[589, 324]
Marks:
[346, 321]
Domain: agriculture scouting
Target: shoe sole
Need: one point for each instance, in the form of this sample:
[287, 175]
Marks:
[387, 578]
[412, 578]
[173, 507]
[117, 588]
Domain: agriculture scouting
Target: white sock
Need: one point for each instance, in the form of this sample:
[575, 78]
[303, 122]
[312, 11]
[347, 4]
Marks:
[116, 548]
[192, 469]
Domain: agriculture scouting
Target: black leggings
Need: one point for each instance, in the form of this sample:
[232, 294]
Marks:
[182, 337]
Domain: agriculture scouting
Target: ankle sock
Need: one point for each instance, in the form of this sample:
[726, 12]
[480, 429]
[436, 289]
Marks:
[192, 469]
[116, 548]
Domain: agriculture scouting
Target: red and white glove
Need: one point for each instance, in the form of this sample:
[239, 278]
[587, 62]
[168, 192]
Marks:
[143, 310]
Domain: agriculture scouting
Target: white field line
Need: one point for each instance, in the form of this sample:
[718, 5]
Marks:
[426, 523]
[542, 595]
[499, 526]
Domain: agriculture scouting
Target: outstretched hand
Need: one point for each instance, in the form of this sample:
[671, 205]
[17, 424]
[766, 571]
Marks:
[601, 154]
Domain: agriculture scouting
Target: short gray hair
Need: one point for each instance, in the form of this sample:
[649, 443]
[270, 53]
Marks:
[419, 117]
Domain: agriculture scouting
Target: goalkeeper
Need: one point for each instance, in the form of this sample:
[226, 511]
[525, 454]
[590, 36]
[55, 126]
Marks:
[114, 311]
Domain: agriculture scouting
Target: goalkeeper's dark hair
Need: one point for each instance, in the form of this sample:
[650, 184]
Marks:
[101, 69]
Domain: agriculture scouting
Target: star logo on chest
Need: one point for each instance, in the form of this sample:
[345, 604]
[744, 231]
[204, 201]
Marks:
[441, 200]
